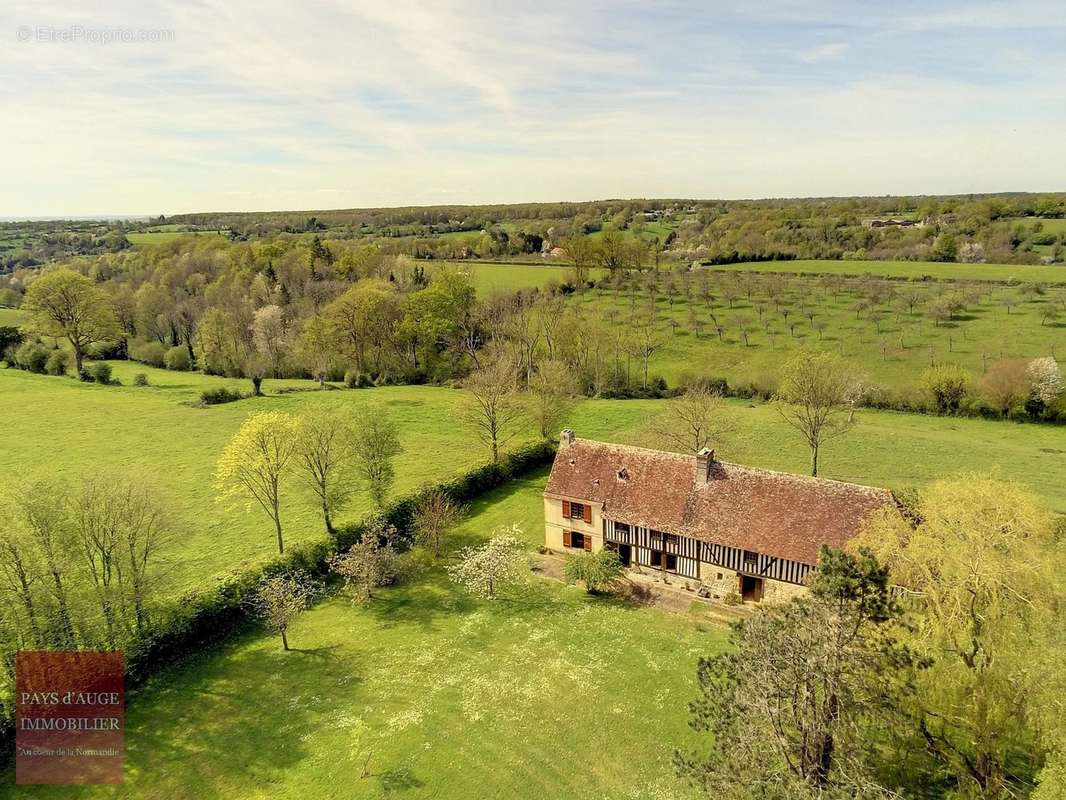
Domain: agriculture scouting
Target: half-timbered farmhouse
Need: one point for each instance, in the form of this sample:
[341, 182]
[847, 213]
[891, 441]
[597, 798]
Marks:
[731, 528]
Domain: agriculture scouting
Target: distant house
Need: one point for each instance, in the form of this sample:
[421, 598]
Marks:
[557, 252]
[730, 527]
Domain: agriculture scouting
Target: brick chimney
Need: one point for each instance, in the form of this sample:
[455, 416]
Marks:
[567, 437]
[704, 462]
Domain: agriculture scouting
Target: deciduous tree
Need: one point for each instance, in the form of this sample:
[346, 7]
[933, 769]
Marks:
[493, 409]
[435, 515]
[324, 455]
[256, 461]
[493, 567]
[68, 305]
[375, 444]
[280, 599]
[813, 398]
[692, 421]
[551, 396]
[983, 572]
[370, 562]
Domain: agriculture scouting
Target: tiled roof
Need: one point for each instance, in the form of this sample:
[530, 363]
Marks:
[774, 513]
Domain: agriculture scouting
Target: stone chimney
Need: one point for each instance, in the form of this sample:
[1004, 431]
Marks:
[566, 438]
[704, 463]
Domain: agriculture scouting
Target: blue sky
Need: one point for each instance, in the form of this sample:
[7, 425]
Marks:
[273, 105]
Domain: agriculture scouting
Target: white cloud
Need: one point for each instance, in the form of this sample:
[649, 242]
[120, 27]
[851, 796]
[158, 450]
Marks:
[826, 52]
[273, 105]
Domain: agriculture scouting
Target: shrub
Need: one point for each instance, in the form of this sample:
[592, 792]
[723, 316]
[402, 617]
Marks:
[214, 397]
[947, 383]
[151, 353]
[10, 338]
[100, 351]
[32, 356]
[1005, 385]
[85, 376]
[58, 363]
[733, 598]
[140, 379]
[600, 571]
[101, 372]
[354, 379]
[177, 358]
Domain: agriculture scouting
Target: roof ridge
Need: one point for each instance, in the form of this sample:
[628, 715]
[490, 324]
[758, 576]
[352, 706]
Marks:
[763, 470]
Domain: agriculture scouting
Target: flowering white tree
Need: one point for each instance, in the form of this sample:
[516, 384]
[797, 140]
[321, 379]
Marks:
[495, 565]
[1046, 379]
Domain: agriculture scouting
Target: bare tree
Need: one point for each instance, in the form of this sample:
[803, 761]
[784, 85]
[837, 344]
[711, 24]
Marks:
[280, 599]
[324, 449]
[370, 562]
[493, 408]
[43, 508]
[375, 444]
[813, 398]
[435, 515]
[744, 323]
[551, 396]
[692, 421]
[644, 342]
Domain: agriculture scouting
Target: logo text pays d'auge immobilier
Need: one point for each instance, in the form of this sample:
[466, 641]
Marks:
[69, 717]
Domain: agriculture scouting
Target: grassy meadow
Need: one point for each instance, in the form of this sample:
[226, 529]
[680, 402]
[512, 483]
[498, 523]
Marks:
[59, 426]
[892, 344]
[426, 692]
[164, 236]
[489, 277]
[11, 317]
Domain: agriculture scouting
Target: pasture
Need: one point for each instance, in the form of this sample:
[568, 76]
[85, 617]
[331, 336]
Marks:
[61, 427]
[164, 236]
[427, 692]
[743, 325]
[12, 317]
[489, 277]
[916, 270]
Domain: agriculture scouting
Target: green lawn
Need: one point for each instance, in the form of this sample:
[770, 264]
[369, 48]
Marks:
[912, 269]
[546, 693]
[891, 345]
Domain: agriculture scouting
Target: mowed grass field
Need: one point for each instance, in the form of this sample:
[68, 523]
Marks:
[892, 346]
[913, 269]
[426, 692]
